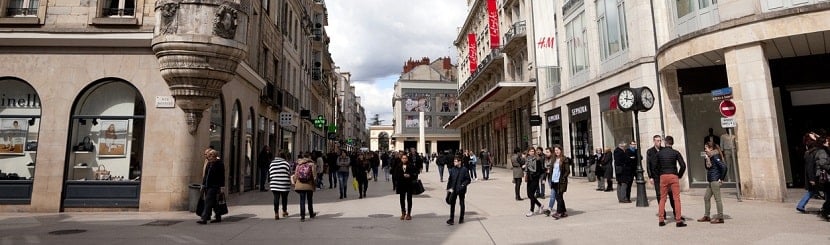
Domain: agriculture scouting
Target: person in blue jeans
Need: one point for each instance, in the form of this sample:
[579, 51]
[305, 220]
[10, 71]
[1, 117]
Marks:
[815, 153]
[344, 163]
[472, 165]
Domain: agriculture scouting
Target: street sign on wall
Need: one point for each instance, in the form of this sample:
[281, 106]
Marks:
[722, 94]
[727, 108]
[728, 122]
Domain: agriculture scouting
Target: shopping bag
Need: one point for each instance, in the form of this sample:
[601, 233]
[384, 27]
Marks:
[200, 207]
[222, 207]
[354, 184]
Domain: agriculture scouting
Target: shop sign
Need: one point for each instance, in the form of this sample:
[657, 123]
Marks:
[13, 101]
[580, 110]
[554, 118]
[165, 102]
[722, 94]
[728, 122]
[535, 120]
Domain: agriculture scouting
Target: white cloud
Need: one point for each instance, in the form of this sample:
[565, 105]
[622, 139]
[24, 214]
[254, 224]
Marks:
[375, 100]
[372, 39]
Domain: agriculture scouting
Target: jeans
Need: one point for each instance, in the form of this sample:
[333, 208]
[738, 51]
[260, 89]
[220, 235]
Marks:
[386, 173]
[457, 197]
[806, 198]
[375, 173]
[406, 197]
[517, 185]
[343, 177]
[441, 172]
[560, 198]
[473, 171]
[277, 196]
[485, 171]
[320, 180]
[713, 190]
[332, 178]
[541, 190]
[600, 183]
[669, 181]
[532, 185]
[306, 196]
[552, 199]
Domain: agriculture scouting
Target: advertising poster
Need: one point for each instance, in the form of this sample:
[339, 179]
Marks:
[112, 140]
[13, 135]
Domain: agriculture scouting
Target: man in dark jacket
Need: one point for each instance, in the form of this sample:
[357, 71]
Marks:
[213, 182]
[331, 160]
[443, 160]
[485, 159]
[668, 160]
[624, 177]
[653, 172]
[457, 188]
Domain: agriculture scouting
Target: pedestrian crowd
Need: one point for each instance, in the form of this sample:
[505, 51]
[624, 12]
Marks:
[536, 167]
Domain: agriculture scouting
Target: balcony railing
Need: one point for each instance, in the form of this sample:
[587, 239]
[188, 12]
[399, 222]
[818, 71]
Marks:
[117, 12]
[21, 11]
[517, 29]
[494, 54]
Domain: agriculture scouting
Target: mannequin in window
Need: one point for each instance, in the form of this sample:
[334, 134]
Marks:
[711, 137]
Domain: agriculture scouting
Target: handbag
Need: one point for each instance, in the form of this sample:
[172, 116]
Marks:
[823, 177]
[84, 145]
[31, 146]
[102, 173]
[354, 184]
[418, 187]
[222, 207]
[200, 206]
[449, 198]
[368, 176]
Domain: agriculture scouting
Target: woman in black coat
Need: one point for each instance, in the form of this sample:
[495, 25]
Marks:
[457, 189]
[405, 174]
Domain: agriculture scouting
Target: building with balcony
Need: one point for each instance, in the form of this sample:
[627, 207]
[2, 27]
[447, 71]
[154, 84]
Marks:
[496, 93]
[136, 90]
[425, 100]
[767, 54]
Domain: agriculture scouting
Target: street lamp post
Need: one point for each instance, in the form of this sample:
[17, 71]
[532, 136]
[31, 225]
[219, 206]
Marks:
[642, 199]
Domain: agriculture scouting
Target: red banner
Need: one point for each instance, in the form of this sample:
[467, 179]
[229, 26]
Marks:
[493, 15]
[471, 39]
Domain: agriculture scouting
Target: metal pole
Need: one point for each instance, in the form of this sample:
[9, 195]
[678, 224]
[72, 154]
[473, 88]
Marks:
[735, 165]
[642, 199]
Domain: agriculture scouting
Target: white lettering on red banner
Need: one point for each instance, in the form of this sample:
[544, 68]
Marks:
[493, 12]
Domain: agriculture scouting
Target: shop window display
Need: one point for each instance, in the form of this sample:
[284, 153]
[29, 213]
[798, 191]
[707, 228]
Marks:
[19, 127]
[106, 145]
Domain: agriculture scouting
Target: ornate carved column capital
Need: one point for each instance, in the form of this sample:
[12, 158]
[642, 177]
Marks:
[199, 44]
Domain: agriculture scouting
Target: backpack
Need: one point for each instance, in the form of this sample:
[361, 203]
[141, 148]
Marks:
[304, 173]
[821, 165]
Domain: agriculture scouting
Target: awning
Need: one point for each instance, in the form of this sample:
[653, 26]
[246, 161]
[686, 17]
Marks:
[503, 91]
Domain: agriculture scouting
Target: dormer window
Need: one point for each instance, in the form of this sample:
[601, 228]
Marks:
[20, 8]
[117, 8]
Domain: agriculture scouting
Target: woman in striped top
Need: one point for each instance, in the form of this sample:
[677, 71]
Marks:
[280, 182]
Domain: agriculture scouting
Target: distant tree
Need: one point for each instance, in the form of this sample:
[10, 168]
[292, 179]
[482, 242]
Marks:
[376, 120]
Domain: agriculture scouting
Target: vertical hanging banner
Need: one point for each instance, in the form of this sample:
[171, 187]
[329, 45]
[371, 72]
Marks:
[493, 16]
[544, 22]
[471, 39]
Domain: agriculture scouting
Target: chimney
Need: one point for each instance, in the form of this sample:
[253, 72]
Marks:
[447, 63]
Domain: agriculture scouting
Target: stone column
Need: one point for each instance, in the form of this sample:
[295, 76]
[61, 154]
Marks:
[759, 152]
[199, 45]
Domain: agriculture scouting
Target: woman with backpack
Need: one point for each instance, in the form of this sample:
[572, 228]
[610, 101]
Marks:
[304, 184]
[715, 175]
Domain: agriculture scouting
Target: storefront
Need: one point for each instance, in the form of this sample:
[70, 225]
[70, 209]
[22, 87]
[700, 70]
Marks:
[554, 127]
[106, 143]
[617, 126]
[581, 141]
[19, 127]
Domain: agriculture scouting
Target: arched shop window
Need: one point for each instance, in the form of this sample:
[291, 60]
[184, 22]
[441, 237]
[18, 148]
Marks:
[249, 151]
[19, 126]
[233, 168]
[106, 144]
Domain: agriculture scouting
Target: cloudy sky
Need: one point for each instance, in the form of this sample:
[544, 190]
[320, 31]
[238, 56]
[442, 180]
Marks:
[373, 39]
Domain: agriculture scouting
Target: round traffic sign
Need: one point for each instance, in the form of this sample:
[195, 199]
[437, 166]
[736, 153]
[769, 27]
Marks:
[727, 108]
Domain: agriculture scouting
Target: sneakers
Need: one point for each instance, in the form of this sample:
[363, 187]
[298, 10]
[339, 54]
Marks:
[531, 213]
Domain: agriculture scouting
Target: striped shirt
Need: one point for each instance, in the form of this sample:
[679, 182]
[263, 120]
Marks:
[280, 179]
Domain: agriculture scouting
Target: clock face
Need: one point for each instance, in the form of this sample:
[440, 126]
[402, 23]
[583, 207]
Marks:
[625, 99]
[646, 98]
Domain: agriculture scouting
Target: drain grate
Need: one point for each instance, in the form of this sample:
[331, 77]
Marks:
[66, 232]
[162, 223]
[380, 216]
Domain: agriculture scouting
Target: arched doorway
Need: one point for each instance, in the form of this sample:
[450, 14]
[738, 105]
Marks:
[248, 167]
[105, 147]
[217, 126]
[19, 127]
